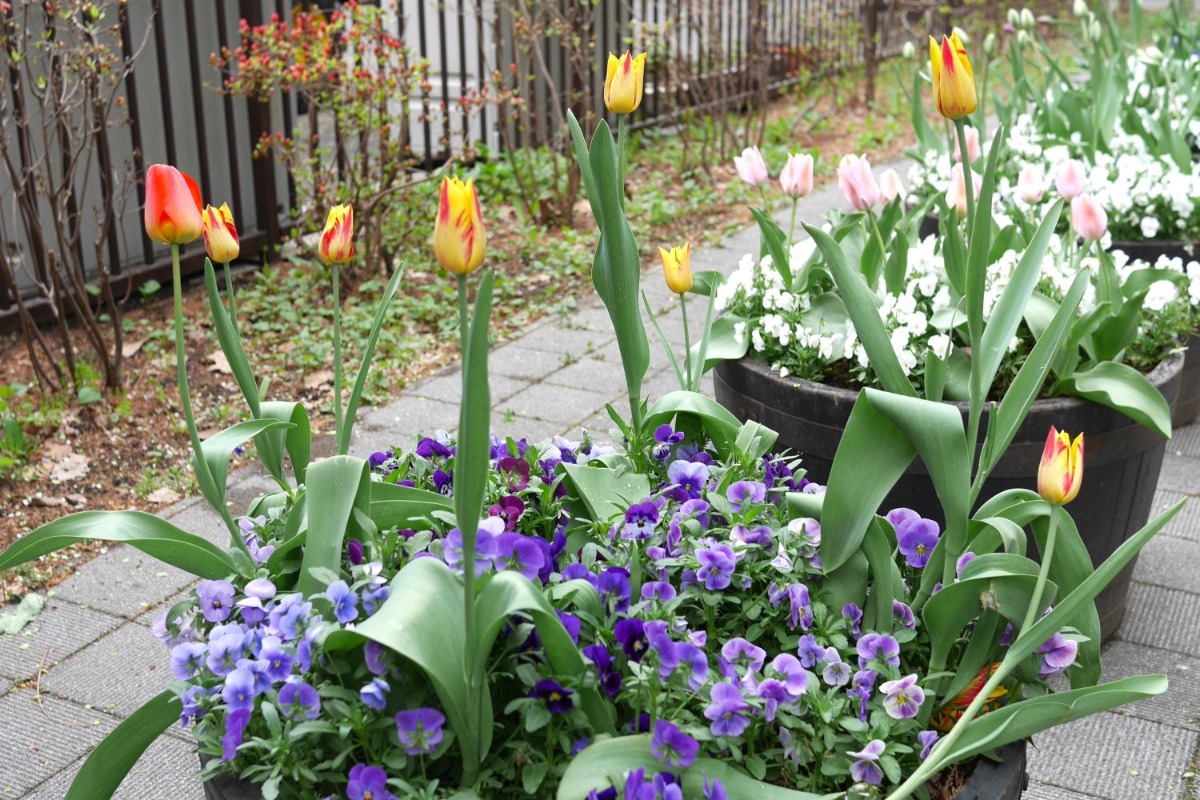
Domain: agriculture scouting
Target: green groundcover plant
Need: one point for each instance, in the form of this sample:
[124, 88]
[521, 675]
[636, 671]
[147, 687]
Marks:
[679, 615]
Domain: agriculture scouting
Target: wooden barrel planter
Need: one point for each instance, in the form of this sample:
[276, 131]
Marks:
[988, 780]
[1120, 476]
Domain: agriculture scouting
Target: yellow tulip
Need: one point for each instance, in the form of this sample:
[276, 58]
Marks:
[459, 239]
[677, 268]
[623, 83]
[953, 80]
[337, 241]
[220, 234]
[1061, 472]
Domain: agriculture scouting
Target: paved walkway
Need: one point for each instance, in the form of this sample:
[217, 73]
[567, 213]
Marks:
[90, 658]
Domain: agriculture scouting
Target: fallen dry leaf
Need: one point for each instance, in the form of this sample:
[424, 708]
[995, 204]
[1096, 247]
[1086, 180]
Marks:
[70, 468]
[40, 499]
[164, 496]
[219, 363]
[130, 349]
[318, 379]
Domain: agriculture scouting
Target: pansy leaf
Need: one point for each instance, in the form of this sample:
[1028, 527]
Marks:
[106, 766]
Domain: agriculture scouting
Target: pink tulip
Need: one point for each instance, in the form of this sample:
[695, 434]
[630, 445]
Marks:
[1088, 217]
[956, 192]
[972, 146]
[857, 182]
[796, 179]
[1031, 184]
[1071, 179]
[890, 186]
[751, 167]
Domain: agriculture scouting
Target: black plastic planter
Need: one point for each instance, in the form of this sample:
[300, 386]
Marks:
[1120, 475]
[989, 780]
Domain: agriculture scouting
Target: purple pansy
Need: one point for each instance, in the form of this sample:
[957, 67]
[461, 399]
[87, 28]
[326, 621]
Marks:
[368, 783]
[665, 437]
[903, 698]
[853, 614]
[795, 676]
[515, 472]
[880, 647]
[278, 661]
[1058, 653]
[743, 653]
[714, 790]
[375, 655]
[917, 537]
[485, 546]
[556, 696]
[298, 701]
[216, 600]
[610, 678]
[836, 672]
[519, 554]
[187, 659]
[742, 493]
[902, 616]
[727, 711]
[671, 746]
[716, 567]
[345, 602]
[927, 740]
[238, 691]
[809, 651]
[420, 730]
[661, 591]
[354, 552]
[688, 479]
[631, 633]
[510, 508]
[864, 769]
[432, 448]
[640, 521]
[235, 727]
[962, 562]
[614, 588]
[374, 694]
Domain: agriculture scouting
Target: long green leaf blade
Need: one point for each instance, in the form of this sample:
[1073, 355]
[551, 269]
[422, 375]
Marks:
[336, 487]
[107, 765]
[471, 462]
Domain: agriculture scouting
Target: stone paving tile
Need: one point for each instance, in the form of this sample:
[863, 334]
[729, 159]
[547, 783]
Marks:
[1180, 704]
[1180, 474]
[560, 404]
[124, 581]
[1046, 791]
[447, 387]
[1185, 441]
[1171, 562]
[40, 738]
[5, 686]
[201, 520]
[532, 429]
[514, 361]
[1113, 757]
[403, 420]
[60, 630]
[1186, 524]
[605, 377]
[590, 316]
[1163, 618]
[559, 337]
[165, 771]
[117, 674]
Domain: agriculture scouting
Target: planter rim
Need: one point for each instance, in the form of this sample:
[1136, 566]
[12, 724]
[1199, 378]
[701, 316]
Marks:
[1161, 374]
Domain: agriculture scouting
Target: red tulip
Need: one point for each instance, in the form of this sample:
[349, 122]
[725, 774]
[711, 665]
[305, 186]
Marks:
[173, 214]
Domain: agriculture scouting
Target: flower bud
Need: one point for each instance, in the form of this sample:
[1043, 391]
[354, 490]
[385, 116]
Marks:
[337, 240]
[1081, 8]
[1014, 18]
[956, 192]
[677, 268]
[1060, 473]
[857, 182]
[953, 80]
[459, 239]
[623, 83]
[1071, 179]
[172, 213]
[751, 167]
[890, 186]
[220, 234]
[1022, 37]
[1028, 21]
[1088, 217]
[1031, 184]
[989, 45]
[961, 34]
[796, 179]
[909, 51]
[973, 148]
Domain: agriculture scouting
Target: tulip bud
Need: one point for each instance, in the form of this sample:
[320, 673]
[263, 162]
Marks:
[220, 234]
[956, 192]
[890, 186]
[796, 179]
[677, 268]
[1028, 21]
[172, 213]
[1031, 184]
[1097, 31]
[857, 182]
[1088, 217]
[751, 167]
[953, 80]
[1060, 474]
[1081, 8]
[1014, 18]
[1071, 179]
[337, 240]
[623, 83]
[459, 239]
[989, 45]
[973, 148]
[1022, 37]
[909, 51]
[961, 34]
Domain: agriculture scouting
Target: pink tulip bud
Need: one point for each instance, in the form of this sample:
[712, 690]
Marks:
[751, 167]
[956, 192]
[1071, 179]
[972, 146]
[1088, 217]
[890, 186]
[796, 179]
[857, 182]
[1031, 184]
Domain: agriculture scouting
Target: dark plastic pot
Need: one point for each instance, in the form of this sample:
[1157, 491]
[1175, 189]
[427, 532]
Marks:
[989, 780]
[1122, 464]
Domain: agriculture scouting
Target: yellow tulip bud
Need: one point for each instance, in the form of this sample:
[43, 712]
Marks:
[623, 83]
[953, 80]
[220, 234]
[1060, 473]
[677, 268]
[337, 240]
[459, 239]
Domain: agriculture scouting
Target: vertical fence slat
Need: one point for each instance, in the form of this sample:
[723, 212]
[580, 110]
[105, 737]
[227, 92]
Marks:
[228, 113]
[197, 83]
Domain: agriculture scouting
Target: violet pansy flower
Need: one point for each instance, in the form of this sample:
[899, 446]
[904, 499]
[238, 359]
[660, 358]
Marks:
[903, 698]
[671, 746]
[864, 769]
[420, 730]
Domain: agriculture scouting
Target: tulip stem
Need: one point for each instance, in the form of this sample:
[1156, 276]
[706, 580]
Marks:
[229, 292]
[960, 128]
[343, 441]
[1031, 614]
[792, 223]
[203, 475]
[687, 341]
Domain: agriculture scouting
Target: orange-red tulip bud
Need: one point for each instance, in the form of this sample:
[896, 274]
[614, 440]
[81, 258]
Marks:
[337, 241]
[220, 234]
[1061, 472]
[172, 206]
[459, 240]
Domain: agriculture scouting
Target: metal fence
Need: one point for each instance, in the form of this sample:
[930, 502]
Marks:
[174, 114]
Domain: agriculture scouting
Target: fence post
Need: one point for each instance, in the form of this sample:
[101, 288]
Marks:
[263, 173]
